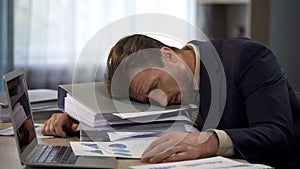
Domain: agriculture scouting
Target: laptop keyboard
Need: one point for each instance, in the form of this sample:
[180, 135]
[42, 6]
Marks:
[54, 154]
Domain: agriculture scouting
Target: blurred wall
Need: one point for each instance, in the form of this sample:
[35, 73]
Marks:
[285, 37]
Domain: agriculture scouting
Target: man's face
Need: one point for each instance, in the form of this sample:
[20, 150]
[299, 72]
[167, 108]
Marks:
[172, 84]
[157, 85]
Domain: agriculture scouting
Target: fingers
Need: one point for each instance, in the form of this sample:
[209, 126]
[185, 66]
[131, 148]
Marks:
[46, 128]
[154, 150]
[177, 153]
[165, 146]
[164, 141]
[169, 153]
[154, 144]
[177, 157]
[54, 126]
[43, 128]
[58, 128]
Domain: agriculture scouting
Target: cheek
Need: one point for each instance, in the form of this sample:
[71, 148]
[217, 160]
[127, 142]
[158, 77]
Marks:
[175, 83]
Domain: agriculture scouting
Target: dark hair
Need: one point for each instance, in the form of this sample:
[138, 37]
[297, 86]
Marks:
[142, 48]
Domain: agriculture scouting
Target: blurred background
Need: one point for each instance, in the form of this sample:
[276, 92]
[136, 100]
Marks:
[45, 37]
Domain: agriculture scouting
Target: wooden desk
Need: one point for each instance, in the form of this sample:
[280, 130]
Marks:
[9, 155]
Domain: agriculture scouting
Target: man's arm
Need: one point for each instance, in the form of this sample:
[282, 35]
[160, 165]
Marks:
[264, 88]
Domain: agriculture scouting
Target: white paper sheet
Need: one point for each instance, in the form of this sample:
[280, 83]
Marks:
[206, 163]
[147, 119]
[117, 136]
[127, 115]
[129, 149]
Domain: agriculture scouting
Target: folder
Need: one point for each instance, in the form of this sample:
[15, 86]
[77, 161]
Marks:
[90, 103]
[95, 96]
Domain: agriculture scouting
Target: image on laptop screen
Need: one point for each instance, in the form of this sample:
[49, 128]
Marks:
[30, 152]
[23, 122]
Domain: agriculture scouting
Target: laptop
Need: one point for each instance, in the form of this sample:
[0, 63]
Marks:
[30, 152]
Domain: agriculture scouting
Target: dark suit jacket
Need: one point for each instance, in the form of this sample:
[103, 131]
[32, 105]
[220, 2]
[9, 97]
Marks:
[261, 114]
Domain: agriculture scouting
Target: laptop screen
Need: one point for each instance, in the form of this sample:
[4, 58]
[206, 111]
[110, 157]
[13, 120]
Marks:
[21, 113]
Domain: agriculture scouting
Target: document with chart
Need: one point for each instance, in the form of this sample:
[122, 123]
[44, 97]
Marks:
[123, 149]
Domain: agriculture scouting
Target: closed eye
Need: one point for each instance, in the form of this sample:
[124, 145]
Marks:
[152, 86]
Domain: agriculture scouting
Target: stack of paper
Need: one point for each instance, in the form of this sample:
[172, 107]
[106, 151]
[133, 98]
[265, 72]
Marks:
[43, 102]
[88, 133]
[90, 104]
[83, 113]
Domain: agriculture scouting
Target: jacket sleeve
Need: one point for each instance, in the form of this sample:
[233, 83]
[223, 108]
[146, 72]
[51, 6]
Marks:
[263, 87]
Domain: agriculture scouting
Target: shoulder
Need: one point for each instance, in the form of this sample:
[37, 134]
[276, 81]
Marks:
[243, 50]
[238, 44]
[240, 54]
[240, 41]
[234, 46]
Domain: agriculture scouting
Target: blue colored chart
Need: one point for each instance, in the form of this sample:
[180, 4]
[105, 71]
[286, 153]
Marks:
[117, 146]
[96, 151]
[92, 145]
[121, 150]
[123, 154]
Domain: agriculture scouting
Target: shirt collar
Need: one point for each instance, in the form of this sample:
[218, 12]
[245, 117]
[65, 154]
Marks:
[197, 66]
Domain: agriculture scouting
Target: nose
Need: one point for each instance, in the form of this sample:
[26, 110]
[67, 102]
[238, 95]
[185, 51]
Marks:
[158, 96]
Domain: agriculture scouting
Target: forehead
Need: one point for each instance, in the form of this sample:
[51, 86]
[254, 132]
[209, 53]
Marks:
[146, 75]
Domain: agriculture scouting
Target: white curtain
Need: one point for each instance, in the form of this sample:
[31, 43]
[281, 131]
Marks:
[50, 34]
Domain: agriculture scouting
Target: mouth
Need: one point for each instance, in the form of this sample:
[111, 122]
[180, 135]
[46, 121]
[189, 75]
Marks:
[176, 99]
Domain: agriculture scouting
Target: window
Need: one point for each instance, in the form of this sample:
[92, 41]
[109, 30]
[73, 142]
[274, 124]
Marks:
[50, 34]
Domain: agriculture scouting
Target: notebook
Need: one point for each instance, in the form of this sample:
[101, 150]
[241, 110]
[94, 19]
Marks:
[30, 152]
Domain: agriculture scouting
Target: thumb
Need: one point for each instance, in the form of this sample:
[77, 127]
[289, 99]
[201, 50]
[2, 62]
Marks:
[74, 127]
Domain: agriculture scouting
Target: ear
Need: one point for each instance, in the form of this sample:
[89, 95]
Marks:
[168, 54]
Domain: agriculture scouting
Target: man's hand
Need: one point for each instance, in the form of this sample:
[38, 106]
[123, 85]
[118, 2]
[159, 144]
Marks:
[59, 125]
[178, 146]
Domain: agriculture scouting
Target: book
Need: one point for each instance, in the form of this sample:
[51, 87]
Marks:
[90, 104]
